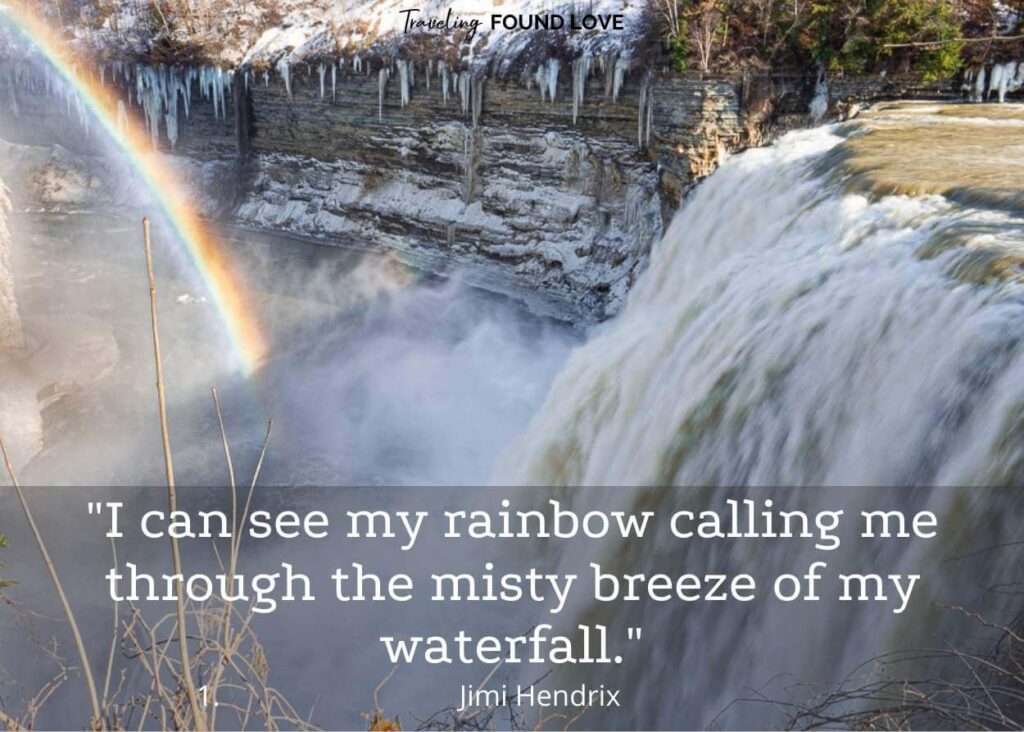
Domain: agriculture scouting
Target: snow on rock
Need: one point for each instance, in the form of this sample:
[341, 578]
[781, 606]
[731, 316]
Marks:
[238, 33]
[315, 29]
[10, 323]
[568, 224]
[54, 178]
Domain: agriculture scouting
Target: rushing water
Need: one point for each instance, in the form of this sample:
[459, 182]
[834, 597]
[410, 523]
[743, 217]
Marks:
[791, 330]
[844, 308]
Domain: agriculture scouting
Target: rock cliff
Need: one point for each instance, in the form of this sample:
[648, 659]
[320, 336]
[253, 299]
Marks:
[528, 196]
[552, 186]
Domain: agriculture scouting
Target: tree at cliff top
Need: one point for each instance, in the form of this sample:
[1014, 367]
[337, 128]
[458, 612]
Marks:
[859, 36]
[853, 36]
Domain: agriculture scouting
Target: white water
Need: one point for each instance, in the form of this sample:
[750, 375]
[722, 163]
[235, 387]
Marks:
[787, 333]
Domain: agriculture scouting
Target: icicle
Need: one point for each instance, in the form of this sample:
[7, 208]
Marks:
[580, 72]
[477, 103]
[217, 90]
[650, 116]
[552, 78]
[622, 66]
[218, 94]
[403, 76]
[323, 81]
[151, 90]
[1018, 77]
[607, 67]
[1003, 79]
[172, 127]
[469, 164]
[819, 105]
[182, 87]
[442, 70]
[83, 116]
[430, 70]
[382, 83]
[995, 79]
[357, 64]
[464, 91]
[286, 75]
[334, 83]
[644, 113]
[266, 78]
[979, 85]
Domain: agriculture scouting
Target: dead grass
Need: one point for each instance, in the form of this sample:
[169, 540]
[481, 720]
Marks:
[213, 642]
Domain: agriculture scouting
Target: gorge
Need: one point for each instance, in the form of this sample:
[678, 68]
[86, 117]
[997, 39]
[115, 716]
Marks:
[565, 265]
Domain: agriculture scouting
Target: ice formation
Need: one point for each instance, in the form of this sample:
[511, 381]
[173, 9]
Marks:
[285, 70]
[547, 79]
[404, 75]
[1006, 77]
[819, 104]
[645, 112]
[165, 92]
[622, 66]
[580, 73]
[382, 85]
[318, 33]
[984, 83]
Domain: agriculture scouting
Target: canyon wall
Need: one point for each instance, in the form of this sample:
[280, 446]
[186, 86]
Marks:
[556, 200]
[563, 197]
[524, 198]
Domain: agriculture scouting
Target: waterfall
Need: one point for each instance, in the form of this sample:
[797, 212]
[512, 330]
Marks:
[788, 331]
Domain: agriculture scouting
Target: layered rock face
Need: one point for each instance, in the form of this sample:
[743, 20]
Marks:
[552, 186]
[553, 189]
[10, 323]
[559, 200]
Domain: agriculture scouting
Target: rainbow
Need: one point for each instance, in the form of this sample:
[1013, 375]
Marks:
[212, 262]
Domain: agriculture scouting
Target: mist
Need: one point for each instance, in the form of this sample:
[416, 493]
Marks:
[378, 375]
